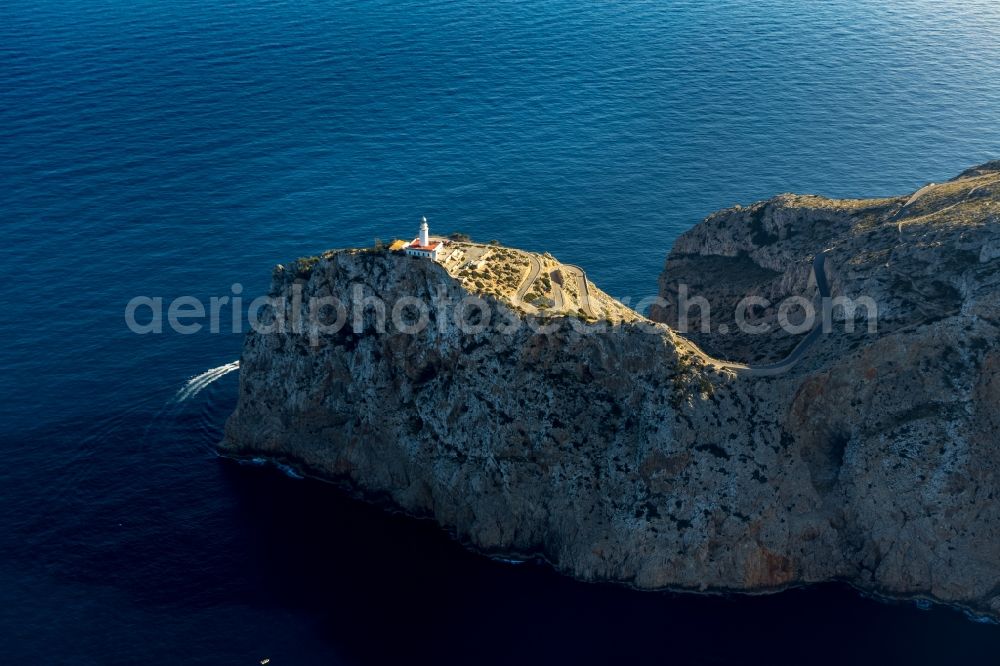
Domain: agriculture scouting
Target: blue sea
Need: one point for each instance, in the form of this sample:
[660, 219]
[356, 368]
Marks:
[165, 148]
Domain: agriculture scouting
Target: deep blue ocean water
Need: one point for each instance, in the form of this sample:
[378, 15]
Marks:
[175, 147]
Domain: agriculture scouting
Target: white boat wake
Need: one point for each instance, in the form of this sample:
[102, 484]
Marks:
[196, 384]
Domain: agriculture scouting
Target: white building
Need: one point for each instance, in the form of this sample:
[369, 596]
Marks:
[422, 246]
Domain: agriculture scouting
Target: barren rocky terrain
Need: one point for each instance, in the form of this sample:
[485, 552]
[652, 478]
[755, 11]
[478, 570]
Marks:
[622, 451]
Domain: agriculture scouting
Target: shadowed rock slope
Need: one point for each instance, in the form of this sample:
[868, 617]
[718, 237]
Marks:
[619, 452]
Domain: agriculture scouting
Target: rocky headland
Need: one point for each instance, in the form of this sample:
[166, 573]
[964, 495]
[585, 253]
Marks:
[566, 426]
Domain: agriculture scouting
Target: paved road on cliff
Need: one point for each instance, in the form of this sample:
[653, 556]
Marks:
[583, 289]
[784, 365]
[533, 271]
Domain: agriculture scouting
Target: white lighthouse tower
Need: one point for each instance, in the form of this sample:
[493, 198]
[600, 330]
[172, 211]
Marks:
[425, 234]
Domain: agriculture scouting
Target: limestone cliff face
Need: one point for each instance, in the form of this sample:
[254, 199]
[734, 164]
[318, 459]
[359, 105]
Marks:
[620, 452]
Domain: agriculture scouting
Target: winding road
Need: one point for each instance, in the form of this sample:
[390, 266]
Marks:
[784, 365]
[534, 269]
[583, 289]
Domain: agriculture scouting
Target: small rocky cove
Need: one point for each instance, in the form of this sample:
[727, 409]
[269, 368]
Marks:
[619, 449]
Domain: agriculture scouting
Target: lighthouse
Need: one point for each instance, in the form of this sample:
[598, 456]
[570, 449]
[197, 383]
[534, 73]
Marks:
[425, 234]
[423, 246]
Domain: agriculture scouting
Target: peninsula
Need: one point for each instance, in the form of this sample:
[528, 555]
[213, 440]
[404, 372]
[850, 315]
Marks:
[555, 422]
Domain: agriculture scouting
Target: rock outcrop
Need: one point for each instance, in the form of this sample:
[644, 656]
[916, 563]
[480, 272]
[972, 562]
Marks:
[618, 450]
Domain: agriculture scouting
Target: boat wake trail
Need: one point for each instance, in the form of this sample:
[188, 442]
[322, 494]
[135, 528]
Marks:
[196, 384]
